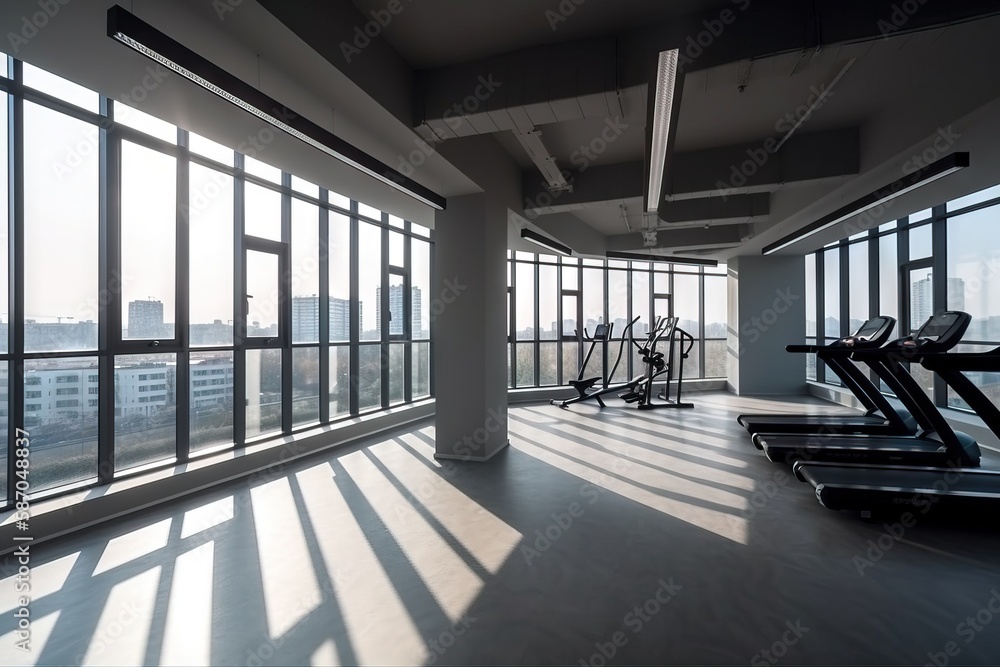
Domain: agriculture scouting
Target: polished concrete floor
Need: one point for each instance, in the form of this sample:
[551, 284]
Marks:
[598, 537]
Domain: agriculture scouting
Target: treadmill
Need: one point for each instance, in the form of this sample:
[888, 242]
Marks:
[879, 418]
[936, 444]
[883, 488]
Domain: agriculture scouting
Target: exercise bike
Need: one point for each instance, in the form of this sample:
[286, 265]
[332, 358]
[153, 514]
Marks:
[585, 386]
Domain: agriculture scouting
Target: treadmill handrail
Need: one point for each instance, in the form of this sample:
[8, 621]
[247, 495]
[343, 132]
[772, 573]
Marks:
[985, 362]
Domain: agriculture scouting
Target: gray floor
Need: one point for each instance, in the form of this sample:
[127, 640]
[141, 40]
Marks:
[602, 536]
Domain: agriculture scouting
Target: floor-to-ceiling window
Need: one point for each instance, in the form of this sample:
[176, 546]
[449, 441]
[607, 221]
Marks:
[168, 297]
[554, 302]
[936, 259]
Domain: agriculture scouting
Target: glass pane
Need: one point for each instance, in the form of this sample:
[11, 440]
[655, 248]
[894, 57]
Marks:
[210, 149]
[974, 198]
[262, 212]
[858, 285]
[921, 285]
[510, 370]
[369, 211]
[142, 121]
[548, 364]
[397, 373]
[339, 200]
[831, 292]
[261, 169]
[618, 301]
[262, 294]
[340, 381]
[888, 279]
[263, 408]
[569, 324]
[920, 242]
[61, 225]
[396, 250]
[145, 409]
[4, 428]
[525, 256]
[305, 385]
[420, 230]
[524, 322]
[4, 239]
[571, 361]
[397, 305]
[810, 260]
[640, 302]
[304, 186]
[340, 277]
[525, 364]
[370, 280]
[715, 359]
[56, 86]
[211, 399]
[593, 298]
[211, 256]
[716, 305]
[420, 277]
[686, 300]
[691, 364]
[396, 221]
[369, 377]
[421, 363]
[570, 278]
[548, 303]
[661, 283]
[988, 383]
[810, 361]
[554, 259]
[148, 240]
[972, 272]
[305, 272]
[920, 215]
[60, 412]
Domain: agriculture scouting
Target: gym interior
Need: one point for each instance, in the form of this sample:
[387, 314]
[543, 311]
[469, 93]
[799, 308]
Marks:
[565, 332]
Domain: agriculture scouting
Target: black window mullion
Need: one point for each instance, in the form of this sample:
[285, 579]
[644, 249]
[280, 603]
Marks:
[430, 345]
[355, 362]
[110, 305]
[845, 290]
[820, 311]
[939, 256]
[15, 250]
[239, 309]
[408, 318]
[535, 322]
[182, 303]
[285, 304]
[324, 310]
[383, 307]
[701, 323]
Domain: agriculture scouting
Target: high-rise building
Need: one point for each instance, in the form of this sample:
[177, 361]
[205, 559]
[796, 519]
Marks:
[305, 319]
[397, 305]
[145, 318]
[340, 318]
[922, 298]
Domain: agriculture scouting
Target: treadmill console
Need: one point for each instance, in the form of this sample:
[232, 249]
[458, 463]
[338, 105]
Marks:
[941, 332]
[601, 332]
[872, 333]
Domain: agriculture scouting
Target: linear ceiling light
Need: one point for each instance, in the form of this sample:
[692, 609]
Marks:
[643, 257]
[131, 31]
[666, 80]
[928, 174]
[545, 242]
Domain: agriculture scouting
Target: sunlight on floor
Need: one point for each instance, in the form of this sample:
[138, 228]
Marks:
[123, 629]
[46, 578]
[187, 635]
[488, 539]
[290, 587]
[135, 544]
[726, 524]
[448, 578]
[207, 516]
[378, 625]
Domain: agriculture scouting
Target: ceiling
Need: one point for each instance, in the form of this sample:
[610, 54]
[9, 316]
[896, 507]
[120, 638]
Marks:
[580, 93]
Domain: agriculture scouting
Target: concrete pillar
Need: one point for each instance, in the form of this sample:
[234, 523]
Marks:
[470, 328]
[766, 313]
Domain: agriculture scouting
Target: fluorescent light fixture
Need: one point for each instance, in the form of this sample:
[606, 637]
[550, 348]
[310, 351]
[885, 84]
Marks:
[545, 242]
[131, 31]
[643, 257]
[666, 81]
[932, 172]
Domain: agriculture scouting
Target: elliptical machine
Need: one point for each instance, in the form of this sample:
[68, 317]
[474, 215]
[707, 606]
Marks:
[659, 364]
[584, 385]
